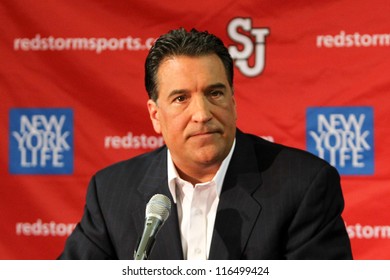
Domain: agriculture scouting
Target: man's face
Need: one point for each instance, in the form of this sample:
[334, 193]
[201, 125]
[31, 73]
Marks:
[195, 111]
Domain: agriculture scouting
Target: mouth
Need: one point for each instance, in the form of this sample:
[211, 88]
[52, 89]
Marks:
[204, 133]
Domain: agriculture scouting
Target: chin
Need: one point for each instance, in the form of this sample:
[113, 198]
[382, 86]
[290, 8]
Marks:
[209, 157]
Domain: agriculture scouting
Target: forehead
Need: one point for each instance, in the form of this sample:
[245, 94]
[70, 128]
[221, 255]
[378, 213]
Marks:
[187, 71]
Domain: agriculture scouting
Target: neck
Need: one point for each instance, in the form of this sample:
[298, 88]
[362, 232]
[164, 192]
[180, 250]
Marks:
[197, 175]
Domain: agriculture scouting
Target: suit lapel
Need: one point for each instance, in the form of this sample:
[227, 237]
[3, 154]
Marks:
[167, 245]
[237, 209]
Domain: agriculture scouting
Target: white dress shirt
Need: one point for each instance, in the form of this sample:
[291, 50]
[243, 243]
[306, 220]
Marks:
[197, 208]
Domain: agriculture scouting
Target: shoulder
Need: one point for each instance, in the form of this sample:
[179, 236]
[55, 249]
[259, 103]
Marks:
[274, 156]
[291, 173]
[133, 167]
[122, 181]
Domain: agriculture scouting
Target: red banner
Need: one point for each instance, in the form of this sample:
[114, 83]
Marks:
[313, 75]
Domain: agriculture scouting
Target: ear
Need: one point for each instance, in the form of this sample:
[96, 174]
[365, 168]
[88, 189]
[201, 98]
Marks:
[154, 115]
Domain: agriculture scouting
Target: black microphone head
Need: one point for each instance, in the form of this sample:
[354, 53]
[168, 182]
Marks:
[158, 206]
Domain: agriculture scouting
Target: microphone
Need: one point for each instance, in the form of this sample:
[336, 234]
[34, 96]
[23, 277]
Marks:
[157, 212]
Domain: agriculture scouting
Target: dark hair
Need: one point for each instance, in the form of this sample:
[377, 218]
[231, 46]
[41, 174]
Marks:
[181, 42]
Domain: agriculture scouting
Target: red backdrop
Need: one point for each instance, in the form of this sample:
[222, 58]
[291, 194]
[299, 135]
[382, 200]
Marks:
[309, 74]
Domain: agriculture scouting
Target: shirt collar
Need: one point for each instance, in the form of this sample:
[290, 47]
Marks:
[218, 177]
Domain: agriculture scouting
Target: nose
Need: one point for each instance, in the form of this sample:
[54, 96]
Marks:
[201, 109]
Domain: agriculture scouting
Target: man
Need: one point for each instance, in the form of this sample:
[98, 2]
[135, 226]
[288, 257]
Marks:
[236, 196]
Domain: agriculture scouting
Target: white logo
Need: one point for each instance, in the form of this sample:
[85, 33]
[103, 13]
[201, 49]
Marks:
[42, 140]
[359, 231]
[130, 141]
[40, 228]
[253, 44]
[344, 137]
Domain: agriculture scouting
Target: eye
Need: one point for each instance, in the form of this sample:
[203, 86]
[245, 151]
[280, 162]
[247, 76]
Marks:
[180, 99]
[216, 93]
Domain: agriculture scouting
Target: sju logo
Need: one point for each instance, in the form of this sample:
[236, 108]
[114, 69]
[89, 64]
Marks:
[253, 42]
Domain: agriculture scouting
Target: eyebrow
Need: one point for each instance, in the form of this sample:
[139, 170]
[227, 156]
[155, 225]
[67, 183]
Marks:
[215, 86]
[177, 92]
[208, 88]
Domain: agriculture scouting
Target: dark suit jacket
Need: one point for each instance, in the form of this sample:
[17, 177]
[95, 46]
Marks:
[276, 203]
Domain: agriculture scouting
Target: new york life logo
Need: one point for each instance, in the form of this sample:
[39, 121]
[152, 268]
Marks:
[344, 136]
[41, 141]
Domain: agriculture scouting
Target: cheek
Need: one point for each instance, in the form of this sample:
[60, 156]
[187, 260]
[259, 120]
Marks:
[233, 112]
[171, 125]
[228, 114]
[173, 134]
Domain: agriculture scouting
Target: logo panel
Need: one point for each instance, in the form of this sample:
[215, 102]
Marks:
[41, 141]
[344, 136]
[252, 45]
